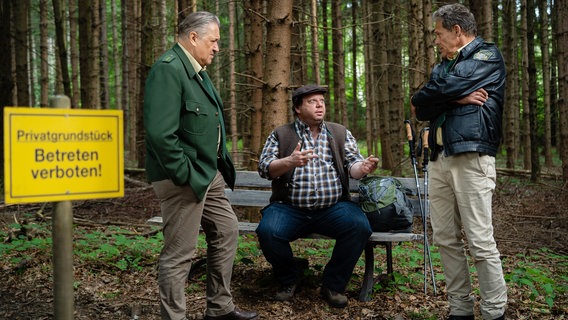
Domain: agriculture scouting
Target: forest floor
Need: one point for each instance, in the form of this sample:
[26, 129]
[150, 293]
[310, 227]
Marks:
[530, 221]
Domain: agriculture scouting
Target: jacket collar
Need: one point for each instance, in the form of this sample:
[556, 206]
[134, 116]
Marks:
[471, 47]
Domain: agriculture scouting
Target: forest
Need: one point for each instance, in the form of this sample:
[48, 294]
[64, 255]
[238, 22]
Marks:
[371, 54]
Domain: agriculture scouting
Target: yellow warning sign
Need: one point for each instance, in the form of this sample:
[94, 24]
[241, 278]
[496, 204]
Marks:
[62, 154]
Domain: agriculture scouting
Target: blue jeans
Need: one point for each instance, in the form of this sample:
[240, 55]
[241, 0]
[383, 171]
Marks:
[283, 223]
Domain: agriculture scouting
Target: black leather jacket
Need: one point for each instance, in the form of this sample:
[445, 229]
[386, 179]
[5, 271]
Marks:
[465, 128]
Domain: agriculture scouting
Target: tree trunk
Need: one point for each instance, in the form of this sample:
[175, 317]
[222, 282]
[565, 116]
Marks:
[511, 110]
[338, 63]
[6, 80]
[534, 143]
[428, 31]
[298, 46]
[325, 54]
[416, 65]
[315, 42]
[116, 58]
[545, 49]
[562, 44]
[104, 57]
[525, 133]
[74, 52]
[394, 70]
[232, 88]
[370, 97]
[382, 81]
[354, 52]
[61, 48]
[254, 40]
[483, 12]
[21, 21]
[277, 67]
[89, 54]
[43, 48]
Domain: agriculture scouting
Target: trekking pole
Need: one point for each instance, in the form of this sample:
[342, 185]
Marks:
[425, 148]
[410, 137]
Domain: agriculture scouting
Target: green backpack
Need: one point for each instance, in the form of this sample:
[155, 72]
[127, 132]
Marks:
[384, 200]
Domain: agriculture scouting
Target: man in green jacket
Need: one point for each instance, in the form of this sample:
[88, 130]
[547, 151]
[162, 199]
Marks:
[188, 165]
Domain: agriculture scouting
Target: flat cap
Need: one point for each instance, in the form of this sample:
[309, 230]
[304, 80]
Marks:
[299, 93]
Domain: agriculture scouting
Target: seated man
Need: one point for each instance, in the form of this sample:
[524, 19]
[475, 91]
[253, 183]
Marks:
[309, 162]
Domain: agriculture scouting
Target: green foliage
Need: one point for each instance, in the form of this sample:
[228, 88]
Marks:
[115, 248]
[119, 250]
[247, 249]
[537, 281]
[19, 248]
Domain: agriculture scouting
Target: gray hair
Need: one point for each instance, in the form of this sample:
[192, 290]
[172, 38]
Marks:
[456, 14]
[197, 22]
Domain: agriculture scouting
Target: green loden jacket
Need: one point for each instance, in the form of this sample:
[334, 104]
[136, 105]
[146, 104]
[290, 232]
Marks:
[183, 121]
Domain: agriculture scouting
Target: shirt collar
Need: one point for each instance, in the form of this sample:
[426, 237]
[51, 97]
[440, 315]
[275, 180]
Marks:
[457, 53]
[196, 66]
[302, 126]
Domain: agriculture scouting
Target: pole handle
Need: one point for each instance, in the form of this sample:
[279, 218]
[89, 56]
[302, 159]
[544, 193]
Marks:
[409, 134]
[425, 135]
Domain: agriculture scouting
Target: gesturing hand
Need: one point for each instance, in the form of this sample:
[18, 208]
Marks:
[300, 158]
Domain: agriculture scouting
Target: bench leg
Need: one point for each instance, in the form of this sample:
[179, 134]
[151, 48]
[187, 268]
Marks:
[388, 247]
[201, 262]
[368, 278]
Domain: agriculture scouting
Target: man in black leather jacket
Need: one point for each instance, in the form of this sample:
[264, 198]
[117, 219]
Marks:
[463, 100]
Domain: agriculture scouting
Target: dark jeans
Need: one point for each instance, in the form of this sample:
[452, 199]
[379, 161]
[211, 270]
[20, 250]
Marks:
[283, 223]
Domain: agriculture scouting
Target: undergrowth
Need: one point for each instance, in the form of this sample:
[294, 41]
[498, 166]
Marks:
[540, 277]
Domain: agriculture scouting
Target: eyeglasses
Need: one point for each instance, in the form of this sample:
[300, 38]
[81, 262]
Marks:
[314, 101]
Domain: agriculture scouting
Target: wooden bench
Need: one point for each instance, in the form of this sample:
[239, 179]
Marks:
[253, 191]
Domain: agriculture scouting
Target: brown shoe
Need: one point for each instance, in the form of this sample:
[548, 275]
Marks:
[234, 315]
[334, 299]
[286, 293]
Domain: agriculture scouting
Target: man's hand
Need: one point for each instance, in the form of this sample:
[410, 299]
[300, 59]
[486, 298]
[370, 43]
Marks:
[299, 157]
[478, 97]
[363, 168]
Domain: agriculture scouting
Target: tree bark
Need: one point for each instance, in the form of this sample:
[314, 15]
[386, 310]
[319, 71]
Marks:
[116, 58]
[89, 54]
[104, 57]
[338, 54]
[354, 52]
[545, 51]
[74, 52]
[254, 49]
[61, 47]
[315, 42]
[370, 96]
[394, 70]
[562, 44]
[511, 110]
[43, 48]
[534, 143]
[525, 132]
[277, 67]
[232, 87]
[21, 11]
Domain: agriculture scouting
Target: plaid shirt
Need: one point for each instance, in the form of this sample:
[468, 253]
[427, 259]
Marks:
[315, 185]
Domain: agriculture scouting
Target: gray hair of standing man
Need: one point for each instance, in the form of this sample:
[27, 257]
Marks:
[456, 14]
[197, 22]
